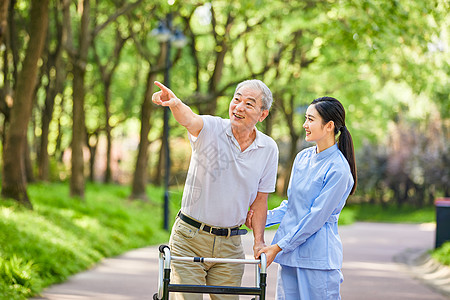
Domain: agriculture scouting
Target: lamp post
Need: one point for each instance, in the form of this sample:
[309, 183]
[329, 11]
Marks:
[165, 33]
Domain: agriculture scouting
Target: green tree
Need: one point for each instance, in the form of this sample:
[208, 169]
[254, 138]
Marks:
[13, 183]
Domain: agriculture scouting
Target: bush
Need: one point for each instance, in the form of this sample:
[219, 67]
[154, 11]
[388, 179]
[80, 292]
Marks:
[442, 254]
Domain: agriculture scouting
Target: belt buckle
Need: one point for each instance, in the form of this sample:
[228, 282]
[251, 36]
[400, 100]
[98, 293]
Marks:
[229, 232]
[209, 230]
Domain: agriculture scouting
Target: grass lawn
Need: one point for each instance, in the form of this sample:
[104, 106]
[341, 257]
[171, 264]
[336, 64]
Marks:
[62, 236]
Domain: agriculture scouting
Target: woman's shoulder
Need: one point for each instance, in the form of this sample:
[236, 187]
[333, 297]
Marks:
[304, 155]
[308, 151]
[339, 164]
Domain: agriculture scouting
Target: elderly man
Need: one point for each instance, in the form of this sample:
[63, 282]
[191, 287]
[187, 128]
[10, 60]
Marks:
[233, 168]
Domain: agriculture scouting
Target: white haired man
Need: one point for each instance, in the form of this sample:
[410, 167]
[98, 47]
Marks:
[233, 168]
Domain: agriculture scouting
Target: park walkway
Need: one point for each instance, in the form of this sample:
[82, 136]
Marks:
[372, 268]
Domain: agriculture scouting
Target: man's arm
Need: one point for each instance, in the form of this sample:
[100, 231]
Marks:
[181, 112]
[258, 220]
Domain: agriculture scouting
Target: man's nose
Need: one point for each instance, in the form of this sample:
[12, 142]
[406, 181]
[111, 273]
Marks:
[240, 106]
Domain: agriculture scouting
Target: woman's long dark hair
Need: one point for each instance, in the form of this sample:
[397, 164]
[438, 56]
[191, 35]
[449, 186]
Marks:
[330, 109]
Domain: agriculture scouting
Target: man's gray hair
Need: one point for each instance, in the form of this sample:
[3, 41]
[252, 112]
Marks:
[258, 85]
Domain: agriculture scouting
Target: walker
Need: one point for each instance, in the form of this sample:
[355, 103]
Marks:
[165, 287]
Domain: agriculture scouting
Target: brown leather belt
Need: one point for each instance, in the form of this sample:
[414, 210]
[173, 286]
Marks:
[212, 230]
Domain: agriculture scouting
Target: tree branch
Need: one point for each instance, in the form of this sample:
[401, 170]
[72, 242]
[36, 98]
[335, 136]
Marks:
[121, 11]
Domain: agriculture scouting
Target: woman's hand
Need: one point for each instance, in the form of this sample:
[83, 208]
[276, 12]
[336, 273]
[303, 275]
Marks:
[248, 220]
[271, 252]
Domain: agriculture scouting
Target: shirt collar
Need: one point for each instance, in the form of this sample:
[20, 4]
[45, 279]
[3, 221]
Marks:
[325, 153]
[257, 143]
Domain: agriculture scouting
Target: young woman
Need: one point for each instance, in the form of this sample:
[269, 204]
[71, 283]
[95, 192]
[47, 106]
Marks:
[307, 245]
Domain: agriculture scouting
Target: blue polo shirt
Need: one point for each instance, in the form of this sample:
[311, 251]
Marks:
[308, 234]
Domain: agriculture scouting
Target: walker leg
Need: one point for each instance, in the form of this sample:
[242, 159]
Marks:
[262, 285]
[166, 282]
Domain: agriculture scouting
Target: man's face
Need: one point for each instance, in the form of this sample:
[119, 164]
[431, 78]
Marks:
[245, 108]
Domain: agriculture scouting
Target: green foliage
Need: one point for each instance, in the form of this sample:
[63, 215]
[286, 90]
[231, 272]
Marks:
[390, 213]
[442, 254]
[63, 236]
[386, 61]
[20, 277]
[378, 58]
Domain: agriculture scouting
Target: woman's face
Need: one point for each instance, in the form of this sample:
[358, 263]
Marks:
[314, 127]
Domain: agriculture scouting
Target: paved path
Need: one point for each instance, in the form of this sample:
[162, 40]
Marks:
[369, 269]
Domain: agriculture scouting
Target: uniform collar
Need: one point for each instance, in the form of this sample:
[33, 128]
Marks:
[325, 153]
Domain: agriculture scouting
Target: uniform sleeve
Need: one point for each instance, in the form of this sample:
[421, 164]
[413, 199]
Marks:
[337, 187]
[275, 215]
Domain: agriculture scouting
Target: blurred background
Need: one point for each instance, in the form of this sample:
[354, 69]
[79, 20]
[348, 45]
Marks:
[75, 98]
[85, 168]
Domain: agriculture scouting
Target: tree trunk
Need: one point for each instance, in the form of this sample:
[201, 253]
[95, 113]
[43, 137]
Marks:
[108, 173]
[43, 159]
[140, 173]
[9, 38]
[92, 143]
[292, 154]
[54, 87]
[268, 122]
[215, 79]
[157, 177]
[29, 174]
[3, 18]
[58, 151]
[78, 134]
[222, 45]
[289, 115]
[77, 181]
[14, 184]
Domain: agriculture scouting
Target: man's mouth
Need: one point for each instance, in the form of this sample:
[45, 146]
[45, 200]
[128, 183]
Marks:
[238, 116]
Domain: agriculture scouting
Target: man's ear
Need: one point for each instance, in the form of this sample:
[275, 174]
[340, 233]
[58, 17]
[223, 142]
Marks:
[264, 115]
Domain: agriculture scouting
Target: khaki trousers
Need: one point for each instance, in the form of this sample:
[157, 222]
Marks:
[186, 240]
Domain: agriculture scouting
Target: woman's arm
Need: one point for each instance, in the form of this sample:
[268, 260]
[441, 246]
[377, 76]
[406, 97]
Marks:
[271, 252]
[337, 187]
[274, 216]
